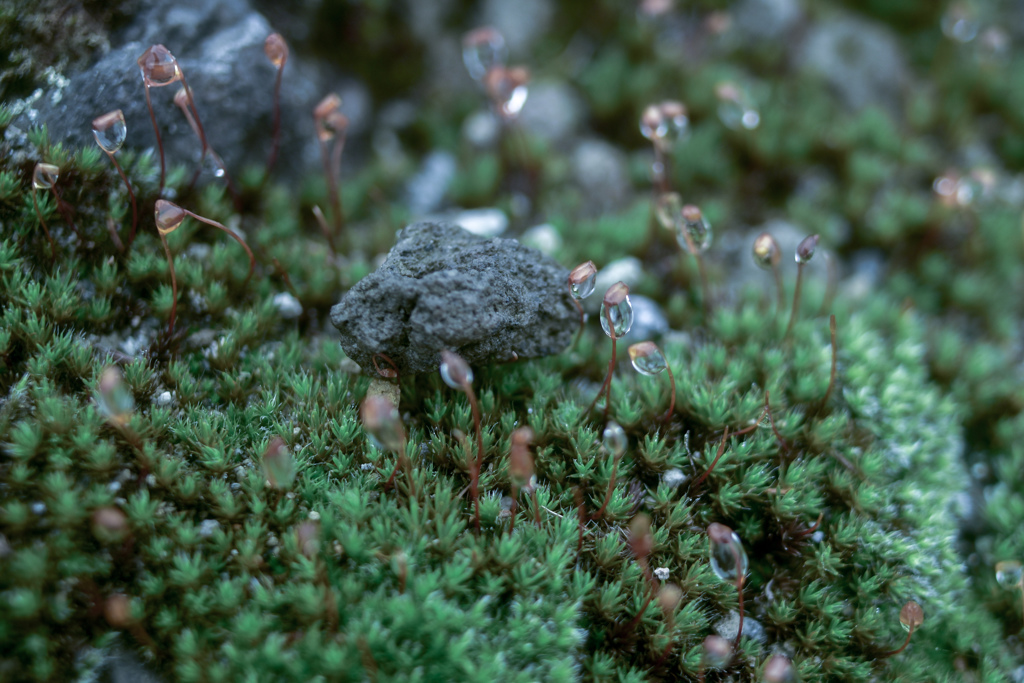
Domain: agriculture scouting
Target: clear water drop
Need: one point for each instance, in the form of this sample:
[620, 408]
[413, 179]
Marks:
[507, 89]
[726, 552]
[110, 131]
[696, 228]
[669, 210]
[168, 216]
[582, 280]
[614, 439]
[482, 50]
[617, 307]
[455, 372]
[159, 67]
[1009, 574]
[736, 107]
[44, 176]
[647, 358]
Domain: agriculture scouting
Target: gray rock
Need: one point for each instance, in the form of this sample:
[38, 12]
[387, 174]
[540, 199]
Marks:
[766, 19]
[553, 111]
[442, 287]
[219, 45]
[427, 188]
[601, 171]
[861, 60]
[519, 22]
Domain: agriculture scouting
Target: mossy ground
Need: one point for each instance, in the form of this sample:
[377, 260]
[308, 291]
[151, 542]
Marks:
[226, 580]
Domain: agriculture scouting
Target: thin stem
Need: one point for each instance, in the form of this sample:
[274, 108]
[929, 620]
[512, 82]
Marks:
[672, 397]
[611, 487]
[660, 169]
[629, 626]
[64, 210]
[475, 481]
[607, 386]
[131, 193]
[901, 648]
[332, 186]
[199, 123]
[39, 214]
[515, 498]
[780, 288]
[174, 285]
[277, 123]
[832, 374]
[322, 222]
[832, 284]
[705, 293]
[252, 259]
[771, 421]
[579, 307]
[739, 591]
[159, 142]
[796, 299]
[721, 450]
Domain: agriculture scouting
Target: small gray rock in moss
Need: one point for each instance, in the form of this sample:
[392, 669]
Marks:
[489, 300]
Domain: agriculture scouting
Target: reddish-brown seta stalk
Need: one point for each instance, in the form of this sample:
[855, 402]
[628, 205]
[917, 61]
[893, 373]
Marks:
[331, 125]
[110, 132]
[276, 50]
[616, 320]
[457, 374]
[160, 68]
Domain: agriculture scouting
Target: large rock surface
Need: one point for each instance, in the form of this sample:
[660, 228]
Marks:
[441, 287]
[219, 45]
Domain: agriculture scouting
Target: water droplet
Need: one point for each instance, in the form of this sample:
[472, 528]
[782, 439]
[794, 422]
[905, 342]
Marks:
[647, 358]
[614, 439]
[168, 216]
[326, 118]
[726, 552]
[911, 616]
[279, 464]
[959, 25]
[582, 280]
[276, 49]
[507, 89]
[669, 210]
[110, 131]
[159, 67]
[665, 124]
[1010, 574]
[454, 371]
[382, 423]
[617, 307]
[696, 228]
[778, 669]
[767, 253]
[717, 652]
[482, 50]
[44, 176]
[805, 250]
[736, 107]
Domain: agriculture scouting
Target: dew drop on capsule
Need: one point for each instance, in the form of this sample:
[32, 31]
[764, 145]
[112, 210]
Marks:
[616, 305]
[614, 439]
[455, 372]
[482, 50]
[159, 67]
[44, 176]
[582, 280]
[647, 358]
[668, 210]
[110, 131]
[168, 216]
[725, 548]
[697, 229]
[1009, 573]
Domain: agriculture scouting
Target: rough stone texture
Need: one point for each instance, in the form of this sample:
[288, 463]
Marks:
[219, 45]
[861, 60]
[442, 287]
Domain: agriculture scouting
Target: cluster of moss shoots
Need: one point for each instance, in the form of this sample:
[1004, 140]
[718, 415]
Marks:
[599, 526]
